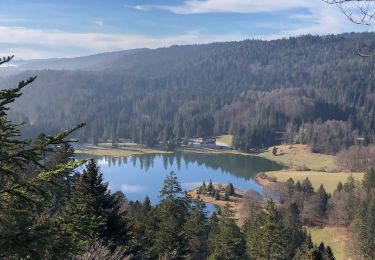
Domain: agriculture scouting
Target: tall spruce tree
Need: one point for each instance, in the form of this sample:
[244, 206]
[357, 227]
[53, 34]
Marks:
[298, 186]
[147, 204]
[196, 232]
[293, 232]
[307, 187]
[322, 201]
[210, 187]
[25, 184]
[252, 230]
[369, 179]
[230, 189]
[64, 182]
[227, 242]
[367, 228]
[171, 214]
[290, 187]
[339, 186]
[272, 240]
[93, 212]
[328, 254]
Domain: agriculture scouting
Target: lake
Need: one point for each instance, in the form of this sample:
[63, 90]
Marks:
[141, 175]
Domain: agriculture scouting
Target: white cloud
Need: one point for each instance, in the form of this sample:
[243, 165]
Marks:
[132, 188]
[138, 7]
[234, 6]
[27, 53]
[323, 19]
[141, 8]
[53, 42]
[99, 23]
[251, 6]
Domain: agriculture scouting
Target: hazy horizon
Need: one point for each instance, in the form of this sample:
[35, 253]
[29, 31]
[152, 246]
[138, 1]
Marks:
[43, 29]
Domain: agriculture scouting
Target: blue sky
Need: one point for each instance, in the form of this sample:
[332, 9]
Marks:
[52, 28]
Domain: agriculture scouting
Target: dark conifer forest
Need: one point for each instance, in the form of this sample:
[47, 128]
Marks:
[309, 89]
[52, 209]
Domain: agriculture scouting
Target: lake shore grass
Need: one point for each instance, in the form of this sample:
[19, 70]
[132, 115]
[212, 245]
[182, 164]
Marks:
[125, 150]
[300, 157]
[224, 140]
[195, 149]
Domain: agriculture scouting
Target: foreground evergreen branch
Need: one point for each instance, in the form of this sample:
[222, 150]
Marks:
[32, 180]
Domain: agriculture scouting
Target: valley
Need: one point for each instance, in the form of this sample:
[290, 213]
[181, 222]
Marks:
[187, 129]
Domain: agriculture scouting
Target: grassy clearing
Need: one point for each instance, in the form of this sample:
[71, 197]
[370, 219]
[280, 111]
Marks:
[331, 236]
[329, 180]
[224, 140]
[300, 157]
[105, 150]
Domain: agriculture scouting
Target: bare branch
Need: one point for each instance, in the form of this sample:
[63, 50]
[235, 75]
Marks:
[357, 11]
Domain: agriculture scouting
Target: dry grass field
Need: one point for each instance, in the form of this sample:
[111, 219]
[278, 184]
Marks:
[300, 157]
[224, 140]
[329, 180]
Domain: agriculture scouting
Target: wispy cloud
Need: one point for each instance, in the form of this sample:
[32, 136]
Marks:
[139, 7]
[28, 53]
[317, 16]
[232, 6]
[322, 20]
[53, 41]
[99, 23]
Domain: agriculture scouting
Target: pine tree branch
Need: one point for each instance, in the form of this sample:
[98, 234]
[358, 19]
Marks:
[6, 59]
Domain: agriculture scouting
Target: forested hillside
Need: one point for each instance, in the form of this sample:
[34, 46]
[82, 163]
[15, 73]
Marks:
[309, 89]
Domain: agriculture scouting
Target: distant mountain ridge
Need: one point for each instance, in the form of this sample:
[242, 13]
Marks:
[91, 62]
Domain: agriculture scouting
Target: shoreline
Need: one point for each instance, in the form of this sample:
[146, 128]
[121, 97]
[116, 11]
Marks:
[294, 157]
[298, 160]
[122, 150]
[130, 149]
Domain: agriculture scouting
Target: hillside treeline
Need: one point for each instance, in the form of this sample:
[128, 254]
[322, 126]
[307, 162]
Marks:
[308, 89]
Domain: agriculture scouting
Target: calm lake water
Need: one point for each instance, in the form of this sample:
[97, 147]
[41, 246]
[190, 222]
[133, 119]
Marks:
[142, 175]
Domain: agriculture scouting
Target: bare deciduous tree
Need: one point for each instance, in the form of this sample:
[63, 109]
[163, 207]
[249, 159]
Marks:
[356, 158]
[358, 12]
